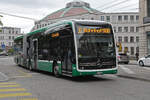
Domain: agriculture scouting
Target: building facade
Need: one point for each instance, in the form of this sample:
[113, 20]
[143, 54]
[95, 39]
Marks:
[144, 27]
[125, 24]
[126, 28]
[7, 35]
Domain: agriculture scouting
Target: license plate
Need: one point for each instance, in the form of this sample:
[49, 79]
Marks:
[99, 73]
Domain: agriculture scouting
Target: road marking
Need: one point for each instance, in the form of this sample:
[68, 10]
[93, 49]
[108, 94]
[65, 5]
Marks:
[6, 78]
[14, 95]
[127, 70]
[6, 83]
[19, 76]
[29, 99]
[146, 68]
[24, 74]
[9, 86]
[10, 90]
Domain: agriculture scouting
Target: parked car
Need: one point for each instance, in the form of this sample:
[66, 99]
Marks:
[3, 54]
[144, 61]
[123, 58]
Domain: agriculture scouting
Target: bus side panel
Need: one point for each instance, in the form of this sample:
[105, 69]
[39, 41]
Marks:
[76, 73]
[45, 66]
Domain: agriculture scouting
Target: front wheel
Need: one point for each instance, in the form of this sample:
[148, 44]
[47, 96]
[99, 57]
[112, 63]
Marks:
[141, 63]
[56, 71]
[126, 62]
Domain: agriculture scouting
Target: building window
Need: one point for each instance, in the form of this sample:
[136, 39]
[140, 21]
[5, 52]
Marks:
[125, 29]
[107, 18]
[137, 39]
[131, 39]
[126, 39]
[9, 43]
[119, 39]
[102, 18]
[137, 29]
[9, 37]
[148, 8]
[137, 49]
[37, 26]
[9, 31]
[132, 50]
[126, 17]
[132, 18]
[119, 18]
[92, 18]
[114, 29]
[137, 17]
[16, 32]
[131, 29]
[13, 37]
[119, 29]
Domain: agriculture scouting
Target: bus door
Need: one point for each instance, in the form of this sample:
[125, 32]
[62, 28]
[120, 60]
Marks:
[35, 53]
[66, 63]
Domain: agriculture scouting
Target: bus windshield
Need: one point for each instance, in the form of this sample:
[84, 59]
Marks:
[95, 42]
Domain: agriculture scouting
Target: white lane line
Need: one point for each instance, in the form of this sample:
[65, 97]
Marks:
[6, 78]
[127, 70]
[146, 68]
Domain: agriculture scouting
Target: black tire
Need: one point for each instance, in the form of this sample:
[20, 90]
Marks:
[56, 70]
[126, 62]
[141, 63]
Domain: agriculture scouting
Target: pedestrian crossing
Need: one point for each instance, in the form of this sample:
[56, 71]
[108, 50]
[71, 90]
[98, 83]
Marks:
[14, 91]
[127, 70]
[133, 69]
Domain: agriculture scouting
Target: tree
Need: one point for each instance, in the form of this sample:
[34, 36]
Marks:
[1, 24]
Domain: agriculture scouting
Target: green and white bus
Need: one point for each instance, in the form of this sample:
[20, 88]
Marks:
[70, 47]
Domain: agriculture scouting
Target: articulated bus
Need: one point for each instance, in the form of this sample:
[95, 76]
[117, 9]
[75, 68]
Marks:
[70, 47]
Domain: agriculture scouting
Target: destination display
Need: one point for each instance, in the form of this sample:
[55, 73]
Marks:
[55, 34]
[82, 30]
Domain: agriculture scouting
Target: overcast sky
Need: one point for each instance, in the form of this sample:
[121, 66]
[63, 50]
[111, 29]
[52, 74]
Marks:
[38, 9]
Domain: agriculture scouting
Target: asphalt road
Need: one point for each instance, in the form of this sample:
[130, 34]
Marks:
[17, 83]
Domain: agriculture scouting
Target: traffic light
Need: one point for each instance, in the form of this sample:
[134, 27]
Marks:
[119, 45]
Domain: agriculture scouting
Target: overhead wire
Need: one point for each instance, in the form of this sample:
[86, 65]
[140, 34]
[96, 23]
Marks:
[106, 4]
[124, 7]
[116, 4]
[18, 16]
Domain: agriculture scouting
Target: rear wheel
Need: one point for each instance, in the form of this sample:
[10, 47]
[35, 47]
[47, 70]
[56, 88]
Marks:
[56, 70]
[141, 63]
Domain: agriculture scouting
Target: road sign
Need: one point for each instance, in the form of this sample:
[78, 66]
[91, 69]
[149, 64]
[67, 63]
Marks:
[3, 46]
